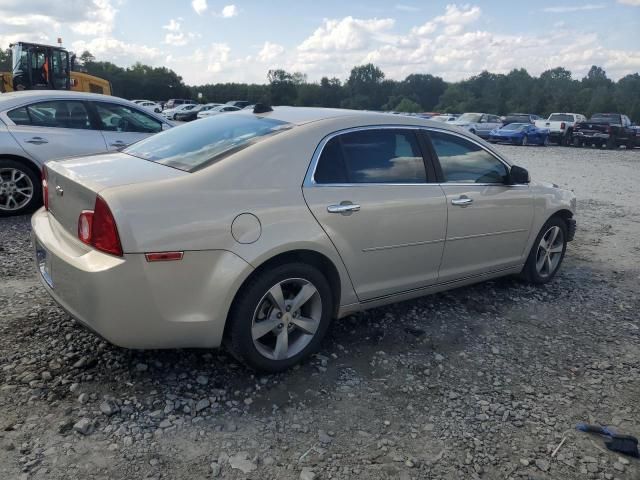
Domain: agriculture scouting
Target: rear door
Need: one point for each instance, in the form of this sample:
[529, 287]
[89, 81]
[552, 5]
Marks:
[489, 221]
[122, 125]
[369, 190]
[55, 129]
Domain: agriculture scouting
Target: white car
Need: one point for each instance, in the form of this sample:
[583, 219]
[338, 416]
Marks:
[170, 113]
[217, 110]
[206, 107]
[39, 125]
[444, 118]
[149, 105]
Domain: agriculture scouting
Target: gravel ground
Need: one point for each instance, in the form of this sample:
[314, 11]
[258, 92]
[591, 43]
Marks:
[480, 382]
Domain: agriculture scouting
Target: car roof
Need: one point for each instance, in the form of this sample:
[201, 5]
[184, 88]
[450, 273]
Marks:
[13, 99]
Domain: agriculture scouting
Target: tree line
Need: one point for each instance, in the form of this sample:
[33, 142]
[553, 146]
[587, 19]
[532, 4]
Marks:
[368, 88]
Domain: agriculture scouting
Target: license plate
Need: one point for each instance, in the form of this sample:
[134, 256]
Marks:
[42, 258]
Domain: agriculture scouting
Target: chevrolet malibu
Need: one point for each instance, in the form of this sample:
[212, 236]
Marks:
[256, 229]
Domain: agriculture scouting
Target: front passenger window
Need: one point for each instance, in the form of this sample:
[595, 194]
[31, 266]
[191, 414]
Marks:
[121, 118]
[463, 161]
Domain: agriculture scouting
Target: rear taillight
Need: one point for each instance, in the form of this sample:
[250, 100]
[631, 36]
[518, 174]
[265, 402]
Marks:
[562, 125]
[98, 228]
[45, 187]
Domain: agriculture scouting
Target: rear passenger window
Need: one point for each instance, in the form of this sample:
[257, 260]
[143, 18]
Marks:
[56, 114]
[372, 156]
[463, 161]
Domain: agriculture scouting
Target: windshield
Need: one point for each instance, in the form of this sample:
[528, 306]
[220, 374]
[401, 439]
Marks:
[199, 144]
[560, 117]
[515, 126]
[470, 117]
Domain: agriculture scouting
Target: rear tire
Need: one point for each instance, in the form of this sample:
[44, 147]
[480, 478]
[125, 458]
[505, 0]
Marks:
[525, 141]
[20, 190]
[577, 143]
[547, 252]
[545, 142]
[611, 144]
[267, 329]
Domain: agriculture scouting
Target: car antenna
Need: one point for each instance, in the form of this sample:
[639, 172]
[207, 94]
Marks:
[262, 108]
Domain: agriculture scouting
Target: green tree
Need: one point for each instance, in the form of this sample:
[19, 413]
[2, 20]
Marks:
[407, 106]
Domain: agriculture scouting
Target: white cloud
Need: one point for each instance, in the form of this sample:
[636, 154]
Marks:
[270, 51]
[634, 3]
[229, 11]
[199, 6]
[573, 8]
[346, 34]
[118, 51]
[173, 25]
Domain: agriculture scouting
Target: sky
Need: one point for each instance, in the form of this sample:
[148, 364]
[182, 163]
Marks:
[211, 41]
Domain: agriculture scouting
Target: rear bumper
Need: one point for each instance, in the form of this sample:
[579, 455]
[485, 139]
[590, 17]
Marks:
[136, 304]
[591, 135]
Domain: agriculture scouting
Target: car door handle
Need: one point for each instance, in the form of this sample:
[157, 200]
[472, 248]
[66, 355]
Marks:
[119, 143]
[343, 208]
[37, 140]
[462, 201]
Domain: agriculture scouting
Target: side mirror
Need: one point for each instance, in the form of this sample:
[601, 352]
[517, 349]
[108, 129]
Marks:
[518, 175]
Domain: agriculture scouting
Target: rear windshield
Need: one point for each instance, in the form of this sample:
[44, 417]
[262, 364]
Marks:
[200, 143]
[560, 117]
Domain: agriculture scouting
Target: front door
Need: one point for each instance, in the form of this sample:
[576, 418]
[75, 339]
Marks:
[489, 221]
[370, 194]
[55, 129]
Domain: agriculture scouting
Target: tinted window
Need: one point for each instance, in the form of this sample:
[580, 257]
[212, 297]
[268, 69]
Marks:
[372, 156]
[463, 161]
[56, 114]
[198, 144]
[120, 118]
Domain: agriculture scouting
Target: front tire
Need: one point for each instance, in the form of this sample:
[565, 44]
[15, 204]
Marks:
[547, 252]
[20, 191]
[577, 143]
[280, 317]
[525, 141]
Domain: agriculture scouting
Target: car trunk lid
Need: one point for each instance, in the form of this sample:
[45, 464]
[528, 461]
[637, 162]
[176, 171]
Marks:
[74, 183]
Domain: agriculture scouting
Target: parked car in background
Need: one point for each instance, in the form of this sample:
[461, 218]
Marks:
[238, 103]
[174, 102]
[610, 130]
[206, 108]
[520, 118]
[188, 115]
[218, 110]
[520, 134]
[249, 107]
[41, 125]
[479, 124]
[445, 118]
[149, 105]
[154, 247]
[171, 113]
[560, 126]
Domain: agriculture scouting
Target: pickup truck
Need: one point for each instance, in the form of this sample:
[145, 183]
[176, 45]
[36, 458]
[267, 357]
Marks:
[560, 126]
[605, 129]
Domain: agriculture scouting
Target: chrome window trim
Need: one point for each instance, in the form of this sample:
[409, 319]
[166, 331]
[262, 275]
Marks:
[309, 180]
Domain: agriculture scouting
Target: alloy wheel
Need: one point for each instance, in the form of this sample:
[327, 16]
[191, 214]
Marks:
[16, 189]
[549, 251]
[286, 319]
